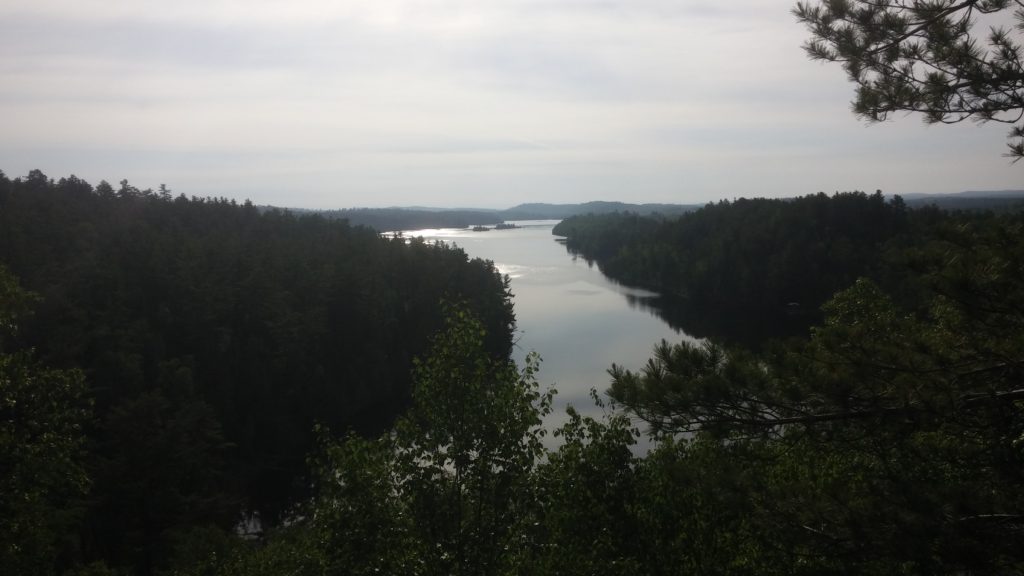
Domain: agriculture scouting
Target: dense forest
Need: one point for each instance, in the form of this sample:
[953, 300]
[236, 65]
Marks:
[168, 364]
[741, 270]
[541, 211]
[891, 441]
[208, 339]
[748, 252]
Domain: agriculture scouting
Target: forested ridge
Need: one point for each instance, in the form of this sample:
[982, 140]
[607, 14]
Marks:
[748, 252]
[890, 441]
[210, 339]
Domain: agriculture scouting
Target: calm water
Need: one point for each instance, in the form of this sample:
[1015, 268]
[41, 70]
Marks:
[576, 319]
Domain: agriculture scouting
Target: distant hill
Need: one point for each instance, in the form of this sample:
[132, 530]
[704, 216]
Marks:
[419, 217]
[389, 219]
[997, 200]
[541, 211]
[990, 194]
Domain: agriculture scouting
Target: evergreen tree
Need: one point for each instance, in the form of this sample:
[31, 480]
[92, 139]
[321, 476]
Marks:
[926, 56]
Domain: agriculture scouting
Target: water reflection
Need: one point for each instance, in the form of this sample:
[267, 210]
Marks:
[580, 322]
[566, 310]
[746, 327]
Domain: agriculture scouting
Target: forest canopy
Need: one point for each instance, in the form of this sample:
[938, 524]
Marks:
[890, 441]
[168, 364]
[209, 338]
[747, 252]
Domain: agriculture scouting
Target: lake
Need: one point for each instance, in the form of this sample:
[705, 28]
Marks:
[579, 321]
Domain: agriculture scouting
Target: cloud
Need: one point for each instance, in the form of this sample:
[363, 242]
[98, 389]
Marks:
[344, 102]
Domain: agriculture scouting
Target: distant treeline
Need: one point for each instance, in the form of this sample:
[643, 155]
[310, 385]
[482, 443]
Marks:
[766, 255]
[394, 219]
[756, 252]
[212, 337]
[397, 219]
[1007, 202]
[541, 211]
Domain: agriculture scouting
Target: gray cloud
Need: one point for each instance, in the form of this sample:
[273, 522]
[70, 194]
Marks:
[455, 102]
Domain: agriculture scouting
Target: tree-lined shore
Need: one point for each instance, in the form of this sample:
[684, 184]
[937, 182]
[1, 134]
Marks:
[205, 339]
[173, 368]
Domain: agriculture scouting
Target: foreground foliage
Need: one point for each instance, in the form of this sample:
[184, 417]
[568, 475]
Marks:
[891, 442]
[43, 412]
[949, 60]
[446, 491]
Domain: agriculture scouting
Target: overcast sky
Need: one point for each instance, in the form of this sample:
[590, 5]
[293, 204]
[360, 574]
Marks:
[489, 103]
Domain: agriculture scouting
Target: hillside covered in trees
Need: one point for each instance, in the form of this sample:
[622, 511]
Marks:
[168, 364]
[208, 339]
[730, 268]
[747, 252]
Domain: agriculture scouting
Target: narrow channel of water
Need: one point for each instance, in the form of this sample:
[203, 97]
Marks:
[567, 311]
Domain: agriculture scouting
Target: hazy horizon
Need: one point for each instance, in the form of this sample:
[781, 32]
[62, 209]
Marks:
[967, 193]
[445, 103]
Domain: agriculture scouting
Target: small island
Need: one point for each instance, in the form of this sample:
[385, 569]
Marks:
[480, 228]
[505, 226]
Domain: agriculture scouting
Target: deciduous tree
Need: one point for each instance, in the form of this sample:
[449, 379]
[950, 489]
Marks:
[42, 415]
